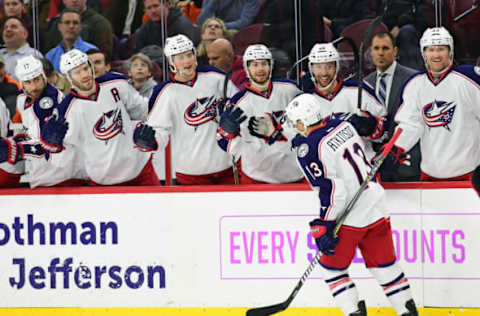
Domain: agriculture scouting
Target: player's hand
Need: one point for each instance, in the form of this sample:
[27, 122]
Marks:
[52, 134]
[322, 231]
[367, 124]
[267, 128]
[231, 119]
[144, 138]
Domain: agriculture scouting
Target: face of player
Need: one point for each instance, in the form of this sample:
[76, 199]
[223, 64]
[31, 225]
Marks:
[383, 52]
[98, 61]
[324, 73]
[77, 5]
[34, 87]
[213, 30]
[437, 57]
[259, 71]
[185, 64]
[13, 8]
[154, 9]
[301, 128]
[139, 71]
[82, 78]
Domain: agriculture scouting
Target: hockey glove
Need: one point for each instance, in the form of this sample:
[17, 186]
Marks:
[12, 152]
[368, 125]
[476, 180]
[397, 155]
[231, 119]
[144, 138]
[52, 134]
[322, 231]
[267, 128]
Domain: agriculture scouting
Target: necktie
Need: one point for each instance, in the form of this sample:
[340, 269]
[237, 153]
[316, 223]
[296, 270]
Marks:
[382, 88]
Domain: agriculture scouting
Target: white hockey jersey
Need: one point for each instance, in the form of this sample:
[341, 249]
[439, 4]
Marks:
[7, 167]
[46, 170]
[101, 129]
[445, 116]
[188, 112]
[333, 160]
[275, 163]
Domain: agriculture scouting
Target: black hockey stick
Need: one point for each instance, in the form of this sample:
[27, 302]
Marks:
[236, 179]
[273, 309]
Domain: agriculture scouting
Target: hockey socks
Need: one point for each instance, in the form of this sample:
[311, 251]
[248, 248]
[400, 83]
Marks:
[343, 289]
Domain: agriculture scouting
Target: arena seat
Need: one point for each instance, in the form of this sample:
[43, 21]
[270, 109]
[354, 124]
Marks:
[467, 41]
[252, 34]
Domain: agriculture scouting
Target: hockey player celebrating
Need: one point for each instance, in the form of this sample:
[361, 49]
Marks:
[186, 107]
[261, 141]
[100, 113]
[440, 107]
[331, 154]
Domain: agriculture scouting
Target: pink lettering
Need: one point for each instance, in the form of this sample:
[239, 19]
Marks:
[233, 247]
[277, 247]
[261, 247]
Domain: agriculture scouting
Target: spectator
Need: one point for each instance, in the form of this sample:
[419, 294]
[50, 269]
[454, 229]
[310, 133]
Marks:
[220, 54]
[70, 26]
[17, 8]
[15, 37]
[54, 78]
[100, 61]
[388, 82]
[150, 33]
[212, 29]
[95, 28]
[125, 16]
[339, 14]
[140, 73]
[237, 14]
[9, 89]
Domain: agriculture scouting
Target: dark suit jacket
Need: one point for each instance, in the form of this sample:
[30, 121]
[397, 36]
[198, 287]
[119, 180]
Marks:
[389, 171]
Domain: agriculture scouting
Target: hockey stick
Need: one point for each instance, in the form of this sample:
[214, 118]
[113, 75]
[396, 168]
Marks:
[234, 163]
[273, 309]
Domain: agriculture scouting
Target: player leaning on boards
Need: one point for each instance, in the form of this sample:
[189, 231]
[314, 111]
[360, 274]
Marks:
[338, 96]
[100, 113]
[440, 107]
[186, 107]
[331, 154]
[261, 141]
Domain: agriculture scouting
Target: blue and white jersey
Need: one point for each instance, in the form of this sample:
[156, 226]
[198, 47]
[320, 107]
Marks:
[445, 116]
[46, 170]
[101, 129]
[275, 163]
[187, 111]
[19, 167]
[334, 161]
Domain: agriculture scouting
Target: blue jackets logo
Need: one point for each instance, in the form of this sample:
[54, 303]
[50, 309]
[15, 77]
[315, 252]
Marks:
[439, 113]
[201, 111]
[109, 125]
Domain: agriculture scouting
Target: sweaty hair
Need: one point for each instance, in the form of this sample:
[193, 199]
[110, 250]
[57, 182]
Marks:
[386, 34]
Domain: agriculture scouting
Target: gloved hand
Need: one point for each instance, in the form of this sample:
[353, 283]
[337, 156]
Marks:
[52, 134]
[231, 119]
[396, 155]
[13, 151]
[144, 138]
[267, 128]
[322, 231]
[367, 124]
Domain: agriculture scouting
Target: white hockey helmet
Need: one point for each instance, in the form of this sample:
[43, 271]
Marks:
[257, 52]
[72, 59]
[436, 36]
[28, 68]
[176, 45]
[324, 53]
[306, 108]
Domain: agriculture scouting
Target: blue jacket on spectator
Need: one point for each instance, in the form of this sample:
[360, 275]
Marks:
[55, 53]
[236, 14]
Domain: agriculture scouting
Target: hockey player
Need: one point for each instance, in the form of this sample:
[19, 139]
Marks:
[440, 107]
[36, 105]
[261, 141]
[342, 96]
[331, 154]
[186, 107]
[100, 113]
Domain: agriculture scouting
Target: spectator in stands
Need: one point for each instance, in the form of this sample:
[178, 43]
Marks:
[100, 61]
[150, 33]
[9, 88]
[339, 14]
[17, 8]
[388, 81]
[125, 16]
[212, 29]
[140, 73]
[70, 26]
[95, 28]
[220, 54]
[54, 78]
[15, 36]
[406, 20]
[237, 14]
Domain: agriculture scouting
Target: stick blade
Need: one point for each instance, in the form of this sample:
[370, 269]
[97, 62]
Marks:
[267, 310]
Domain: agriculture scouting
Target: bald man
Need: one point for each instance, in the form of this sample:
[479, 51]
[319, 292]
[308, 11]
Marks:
[220, 54]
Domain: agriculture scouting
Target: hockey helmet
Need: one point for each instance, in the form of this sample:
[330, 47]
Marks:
[436, 36]
[176, 45]
[72, 59]
[324, 53]
[257, 52]
[28, 68]
[306, 108]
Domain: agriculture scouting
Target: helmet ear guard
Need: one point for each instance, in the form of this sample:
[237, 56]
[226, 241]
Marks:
[257, 52]
[324, 53]
[176, 45]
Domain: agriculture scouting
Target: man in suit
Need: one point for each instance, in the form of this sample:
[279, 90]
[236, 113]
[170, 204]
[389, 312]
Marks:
[388, 81]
